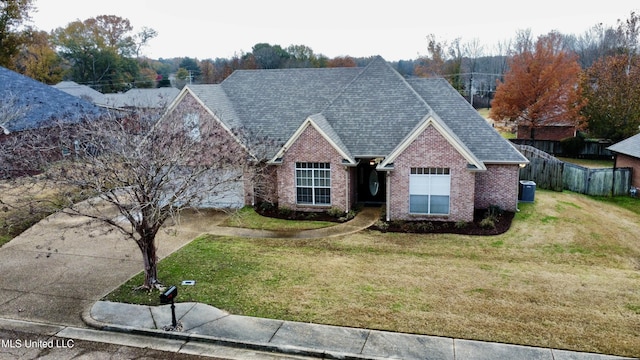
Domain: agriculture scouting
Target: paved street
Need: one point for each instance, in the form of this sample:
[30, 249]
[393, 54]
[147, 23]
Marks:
[21, 345]
[27, 340]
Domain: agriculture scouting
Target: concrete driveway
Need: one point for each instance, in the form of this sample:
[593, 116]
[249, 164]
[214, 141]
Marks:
[59, 267]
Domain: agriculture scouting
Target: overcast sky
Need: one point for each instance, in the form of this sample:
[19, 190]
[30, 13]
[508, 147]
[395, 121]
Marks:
[396, 30]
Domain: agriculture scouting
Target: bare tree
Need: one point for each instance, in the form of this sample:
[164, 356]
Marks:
[473, 51]
[139, 173]
[9, 111]
[524, 42]
[143, 37]
[629, 33]
[22, 149]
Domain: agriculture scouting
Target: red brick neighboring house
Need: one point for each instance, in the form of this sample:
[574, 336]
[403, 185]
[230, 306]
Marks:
[627, 154]
[550, 132]
[364, 135]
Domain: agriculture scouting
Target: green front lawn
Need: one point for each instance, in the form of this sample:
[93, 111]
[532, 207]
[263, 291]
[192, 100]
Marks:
[565, 276]
[248, 218]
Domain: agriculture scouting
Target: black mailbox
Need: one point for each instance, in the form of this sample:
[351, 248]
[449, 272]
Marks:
[169, 296]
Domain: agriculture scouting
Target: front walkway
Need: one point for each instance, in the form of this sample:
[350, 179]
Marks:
[364, 219]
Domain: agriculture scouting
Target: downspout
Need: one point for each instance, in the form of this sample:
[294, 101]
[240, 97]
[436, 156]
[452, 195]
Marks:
[388, 186]
[346, 195]
[613, 177]
[518, 190]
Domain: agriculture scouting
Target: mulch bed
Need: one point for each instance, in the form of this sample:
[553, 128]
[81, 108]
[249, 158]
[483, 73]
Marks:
[274, 212]
[502, 224]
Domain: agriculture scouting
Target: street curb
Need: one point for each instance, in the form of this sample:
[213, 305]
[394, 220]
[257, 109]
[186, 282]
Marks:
[30, 326]
[284, 349]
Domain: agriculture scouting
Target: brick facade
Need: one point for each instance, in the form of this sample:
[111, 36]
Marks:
[431, 149]
[623, 160]
[212, 131]
[552, 133]
[312, 147]
[498, 186]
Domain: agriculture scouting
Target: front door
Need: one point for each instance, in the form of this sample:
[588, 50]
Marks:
[371, 183]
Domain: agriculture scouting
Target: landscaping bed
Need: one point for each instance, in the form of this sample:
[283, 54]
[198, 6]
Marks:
[492, 221]
[332, 215]
[482, 224]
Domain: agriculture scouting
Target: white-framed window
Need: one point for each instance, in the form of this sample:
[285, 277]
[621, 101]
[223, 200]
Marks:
[429, 191]
[313, 183]
[192, 126]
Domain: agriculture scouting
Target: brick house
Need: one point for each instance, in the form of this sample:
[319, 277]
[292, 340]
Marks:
[364, 135]
[627, 154]
[550, 132]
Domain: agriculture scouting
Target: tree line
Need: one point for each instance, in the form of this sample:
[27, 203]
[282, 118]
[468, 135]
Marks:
[600, 65]
[105, 53]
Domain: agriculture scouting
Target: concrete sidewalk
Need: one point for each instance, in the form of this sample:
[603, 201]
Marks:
[207, 324]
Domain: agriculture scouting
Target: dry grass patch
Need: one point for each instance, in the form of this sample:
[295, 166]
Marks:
[567, 275]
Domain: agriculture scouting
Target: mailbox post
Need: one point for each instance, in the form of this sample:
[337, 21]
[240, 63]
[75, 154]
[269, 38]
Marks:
[168, 297]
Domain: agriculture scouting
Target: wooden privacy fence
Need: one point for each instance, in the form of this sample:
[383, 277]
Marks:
[543, 169]
[589, 150]
[552, 174]
[597, 182]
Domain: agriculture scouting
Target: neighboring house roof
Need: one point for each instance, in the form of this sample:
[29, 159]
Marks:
[364, 112]
[81, 91]
[629, 146]
[40, 105]
[157, 98]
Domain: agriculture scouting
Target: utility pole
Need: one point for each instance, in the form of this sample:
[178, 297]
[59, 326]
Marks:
[471, 90]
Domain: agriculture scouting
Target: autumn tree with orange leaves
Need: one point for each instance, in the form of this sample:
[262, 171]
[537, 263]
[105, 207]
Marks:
[541, 86]
[342, 61]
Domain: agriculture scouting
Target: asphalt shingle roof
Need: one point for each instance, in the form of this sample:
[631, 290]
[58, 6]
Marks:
[629, 146]
[43, 105]
[375, 111]
[157, 98]
[274, 103]
[366, 111]
[82, 91]
[471, 128]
